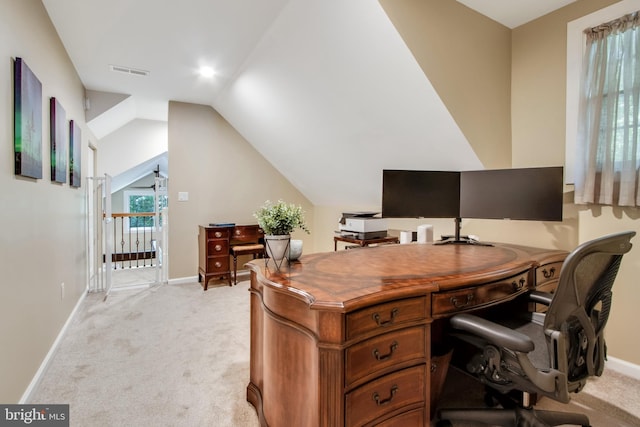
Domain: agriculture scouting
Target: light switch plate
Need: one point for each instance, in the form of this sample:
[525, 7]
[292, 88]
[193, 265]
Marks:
[183, 196]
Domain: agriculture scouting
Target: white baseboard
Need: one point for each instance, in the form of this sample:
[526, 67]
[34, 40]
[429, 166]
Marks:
[183, 280]
[622, 366]
[242, 275]
[54, 347]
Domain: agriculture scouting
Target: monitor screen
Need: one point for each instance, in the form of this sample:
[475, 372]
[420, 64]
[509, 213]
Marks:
[522, 194]
[420, 194]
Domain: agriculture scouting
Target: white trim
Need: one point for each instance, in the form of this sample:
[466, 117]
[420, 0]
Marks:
[575, 47]
[182, 280]
[623, 367]
[54, 347]
[191, 279]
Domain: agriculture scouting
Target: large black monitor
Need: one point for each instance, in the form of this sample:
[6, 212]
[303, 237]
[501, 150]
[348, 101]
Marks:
[520, 194]
[523, 194]
[420, 194]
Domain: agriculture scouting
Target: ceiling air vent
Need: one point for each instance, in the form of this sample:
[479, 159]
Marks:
[127, 70]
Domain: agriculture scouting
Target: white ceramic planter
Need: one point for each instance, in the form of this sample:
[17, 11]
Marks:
[277, 246]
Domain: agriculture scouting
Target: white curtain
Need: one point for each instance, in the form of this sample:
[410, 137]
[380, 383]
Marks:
[608, 156]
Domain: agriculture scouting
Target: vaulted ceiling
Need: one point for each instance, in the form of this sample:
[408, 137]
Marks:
[326, 90]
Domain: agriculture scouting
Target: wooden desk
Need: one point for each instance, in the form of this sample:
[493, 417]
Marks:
[214, 247]
[363, 242]
[344, 338]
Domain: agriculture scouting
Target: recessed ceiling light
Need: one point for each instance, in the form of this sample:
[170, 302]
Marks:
[207, 72]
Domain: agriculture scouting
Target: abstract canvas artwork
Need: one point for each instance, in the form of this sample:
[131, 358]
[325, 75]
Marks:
[27, 121]
[59, 132]
[75, 154]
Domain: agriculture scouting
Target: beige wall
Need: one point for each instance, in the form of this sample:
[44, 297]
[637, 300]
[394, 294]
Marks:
[467, 58]
[43, 237]
[538, 113]
[226, 178]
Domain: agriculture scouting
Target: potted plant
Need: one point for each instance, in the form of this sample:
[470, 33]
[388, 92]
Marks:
[278, 220]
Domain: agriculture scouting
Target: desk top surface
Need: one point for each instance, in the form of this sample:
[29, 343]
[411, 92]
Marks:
[344, 279]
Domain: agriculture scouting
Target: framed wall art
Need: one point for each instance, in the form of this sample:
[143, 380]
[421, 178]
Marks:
[75, 153]
[59, 132]
[27, 113]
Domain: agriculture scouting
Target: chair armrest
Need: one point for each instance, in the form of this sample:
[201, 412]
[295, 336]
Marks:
[541, 297]
[493, 332]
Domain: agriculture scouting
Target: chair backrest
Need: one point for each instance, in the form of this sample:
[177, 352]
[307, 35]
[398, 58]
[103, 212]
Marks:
[581, 304]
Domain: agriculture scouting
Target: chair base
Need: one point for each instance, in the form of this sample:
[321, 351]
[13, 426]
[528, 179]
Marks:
[516, 417]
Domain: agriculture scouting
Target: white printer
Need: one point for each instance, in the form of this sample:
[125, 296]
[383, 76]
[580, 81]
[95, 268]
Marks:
[362, 225]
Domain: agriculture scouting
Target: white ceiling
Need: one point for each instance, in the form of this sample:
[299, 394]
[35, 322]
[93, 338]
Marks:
[513, 13]
[326, 90]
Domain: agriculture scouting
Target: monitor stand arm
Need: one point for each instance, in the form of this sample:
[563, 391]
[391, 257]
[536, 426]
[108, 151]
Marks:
[458, 239]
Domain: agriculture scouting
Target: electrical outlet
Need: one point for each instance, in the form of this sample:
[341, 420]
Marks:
[62, 290]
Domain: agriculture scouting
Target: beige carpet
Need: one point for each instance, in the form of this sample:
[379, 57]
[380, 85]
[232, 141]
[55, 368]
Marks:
[171, 355]
[174, 355]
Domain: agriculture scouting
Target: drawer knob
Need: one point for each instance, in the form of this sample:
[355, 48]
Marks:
[217, 234]
[392, 317]
[381, 402]
[548, 274]
[218, 248]
[459, 304]
[393, 347]
[218, 264]
[519, 284]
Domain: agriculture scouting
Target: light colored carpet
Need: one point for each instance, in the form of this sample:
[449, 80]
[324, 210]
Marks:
[170, 355]
[174, 355]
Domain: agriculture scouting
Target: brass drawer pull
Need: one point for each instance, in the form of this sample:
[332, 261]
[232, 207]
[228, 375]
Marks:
[393, 347]
[379, 402]
[519, 284]
[549, 274]
[376, 317]
[458, 304]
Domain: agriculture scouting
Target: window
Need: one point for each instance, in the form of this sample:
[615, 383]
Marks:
[607, 143]
[142, 201]
[576, 42]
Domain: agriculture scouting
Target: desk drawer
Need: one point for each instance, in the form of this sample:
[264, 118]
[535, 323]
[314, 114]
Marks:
[217, 247]
[548, 273]
[385, 395]
[406, 419]
[444, 303]
[217, 265]
[384, 351]
[218, 233]
[378, 317]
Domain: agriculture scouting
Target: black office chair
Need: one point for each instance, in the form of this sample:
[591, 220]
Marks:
[548, 354]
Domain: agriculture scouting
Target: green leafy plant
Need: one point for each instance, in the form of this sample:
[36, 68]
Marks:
[280, 218]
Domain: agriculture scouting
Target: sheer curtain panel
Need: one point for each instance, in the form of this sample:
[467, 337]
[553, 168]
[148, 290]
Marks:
[607, 164]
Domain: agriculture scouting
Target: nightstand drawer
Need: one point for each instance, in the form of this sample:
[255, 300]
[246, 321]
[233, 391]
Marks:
[373, 355]
[444, 303]
[379, 317]
[385, 395]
